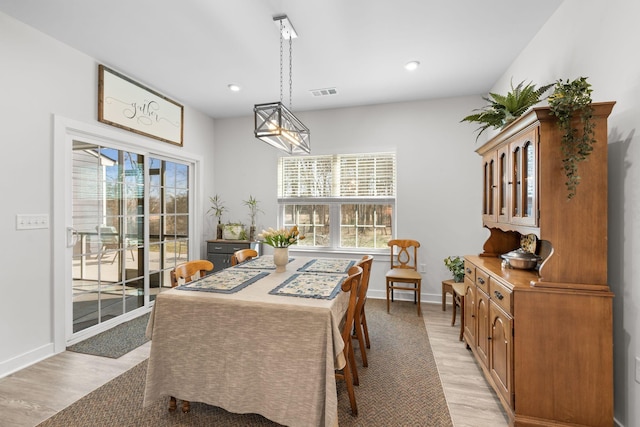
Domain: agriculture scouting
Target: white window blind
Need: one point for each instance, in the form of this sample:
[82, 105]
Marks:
[343, 175]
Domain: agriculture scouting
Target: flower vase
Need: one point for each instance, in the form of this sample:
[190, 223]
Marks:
[281, 259]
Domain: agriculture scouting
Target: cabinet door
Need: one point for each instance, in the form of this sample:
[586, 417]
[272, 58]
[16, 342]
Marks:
[469, 312]
[220, 261]
[524, 187]
[482, 320]
[489, 170]
[501, 352]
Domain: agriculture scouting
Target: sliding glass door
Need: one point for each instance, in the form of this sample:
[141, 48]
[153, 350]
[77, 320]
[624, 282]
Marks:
[130, 218]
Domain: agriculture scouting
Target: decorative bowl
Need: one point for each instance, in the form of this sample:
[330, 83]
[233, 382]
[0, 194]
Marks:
[521, 259]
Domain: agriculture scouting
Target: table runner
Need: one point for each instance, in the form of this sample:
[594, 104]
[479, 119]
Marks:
[327, 265]
[224, 281]
[310, 285]
[264, 262]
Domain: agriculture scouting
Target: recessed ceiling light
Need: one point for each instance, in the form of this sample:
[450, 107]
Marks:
[410, 66]
[234, 88]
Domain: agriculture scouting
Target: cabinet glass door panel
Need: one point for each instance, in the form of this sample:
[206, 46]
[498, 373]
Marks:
[516, 181]
[529, 176]
[489, 188]
[504, 179]
[524, 158]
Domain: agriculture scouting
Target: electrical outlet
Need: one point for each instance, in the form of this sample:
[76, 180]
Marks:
[423, 268]
[637, 369]
[32, 221]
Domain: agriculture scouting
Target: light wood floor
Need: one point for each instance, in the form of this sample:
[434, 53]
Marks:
[39, 391]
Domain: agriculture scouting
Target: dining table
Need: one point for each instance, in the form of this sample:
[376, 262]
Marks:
[249, 339]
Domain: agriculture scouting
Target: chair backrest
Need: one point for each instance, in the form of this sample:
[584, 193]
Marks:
[351, 284]
[187, 270]
[108, 234]
[365, 263]
[404, 253]
[243, 255]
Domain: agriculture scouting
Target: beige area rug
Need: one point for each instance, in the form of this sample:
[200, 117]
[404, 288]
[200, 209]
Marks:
[401, 386]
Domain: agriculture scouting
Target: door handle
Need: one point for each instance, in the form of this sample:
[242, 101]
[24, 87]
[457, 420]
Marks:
[72, 237]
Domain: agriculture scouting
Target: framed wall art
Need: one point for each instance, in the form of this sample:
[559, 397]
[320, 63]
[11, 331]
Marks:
[129, 105]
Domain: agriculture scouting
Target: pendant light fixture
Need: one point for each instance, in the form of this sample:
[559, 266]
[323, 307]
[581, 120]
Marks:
[275, 124]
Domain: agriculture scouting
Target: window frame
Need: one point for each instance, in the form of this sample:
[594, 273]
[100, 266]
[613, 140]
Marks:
[335, 203]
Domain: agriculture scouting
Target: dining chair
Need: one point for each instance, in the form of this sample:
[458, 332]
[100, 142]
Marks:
[360, 320]
[108, 236]
[187, 270]
[243, 255]
[404, 269]
[351, 285]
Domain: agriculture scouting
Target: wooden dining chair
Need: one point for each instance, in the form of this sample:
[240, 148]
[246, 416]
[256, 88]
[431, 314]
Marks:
[360, 320]
[187, 270]
[404, 269]
[351, 285]
[243, 255]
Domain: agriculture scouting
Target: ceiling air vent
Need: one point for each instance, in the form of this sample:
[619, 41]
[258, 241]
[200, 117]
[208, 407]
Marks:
[324, 92]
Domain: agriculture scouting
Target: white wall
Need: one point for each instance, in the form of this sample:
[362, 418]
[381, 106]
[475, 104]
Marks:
[599, 40]
[439, 176]
[40, 77]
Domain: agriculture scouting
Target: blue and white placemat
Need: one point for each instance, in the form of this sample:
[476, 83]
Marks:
[264, 262]
[327, 265]
[310, 285]
[226, 281]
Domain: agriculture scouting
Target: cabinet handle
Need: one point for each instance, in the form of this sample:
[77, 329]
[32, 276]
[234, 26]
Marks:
[217, 248]
[481, 280]
[468, 270]
[498, 294]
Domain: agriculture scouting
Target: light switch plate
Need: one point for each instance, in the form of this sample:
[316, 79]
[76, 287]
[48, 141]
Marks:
[637, 369]
[32, 221]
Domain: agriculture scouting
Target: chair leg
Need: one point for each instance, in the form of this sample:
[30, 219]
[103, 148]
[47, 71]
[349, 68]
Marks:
[172, 404]
[455, 303]
[365, 329]
[387, 296]
[349, 382]
[186, 406]
[418, 291]
[461, 317]
[354, 368]
[360, 338]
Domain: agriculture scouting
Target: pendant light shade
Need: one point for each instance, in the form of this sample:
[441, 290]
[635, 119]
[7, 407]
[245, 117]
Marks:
[278, 127]
[274, 123]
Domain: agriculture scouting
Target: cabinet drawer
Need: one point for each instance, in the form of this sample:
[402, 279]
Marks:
[470, 270]
[225, 247]
[482, 280]
[501, 295]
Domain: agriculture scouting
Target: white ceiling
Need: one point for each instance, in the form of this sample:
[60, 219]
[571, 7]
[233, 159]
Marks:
[190, 50]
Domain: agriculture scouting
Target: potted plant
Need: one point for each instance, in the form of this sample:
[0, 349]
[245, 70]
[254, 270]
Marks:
[455, 264]
[234, 231]
[217, 209]
[503, 109]
[571, 100]
[252, 204]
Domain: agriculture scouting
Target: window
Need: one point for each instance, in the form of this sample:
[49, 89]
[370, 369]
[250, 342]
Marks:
[339, 201]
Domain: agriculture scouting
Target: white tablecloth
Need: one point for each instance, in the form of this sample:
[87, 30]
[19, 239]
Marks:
[249, 351]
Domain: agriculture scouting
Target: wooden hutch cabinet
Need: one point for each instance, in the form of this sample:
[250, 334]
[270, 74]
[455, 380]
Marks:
[544, 337]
